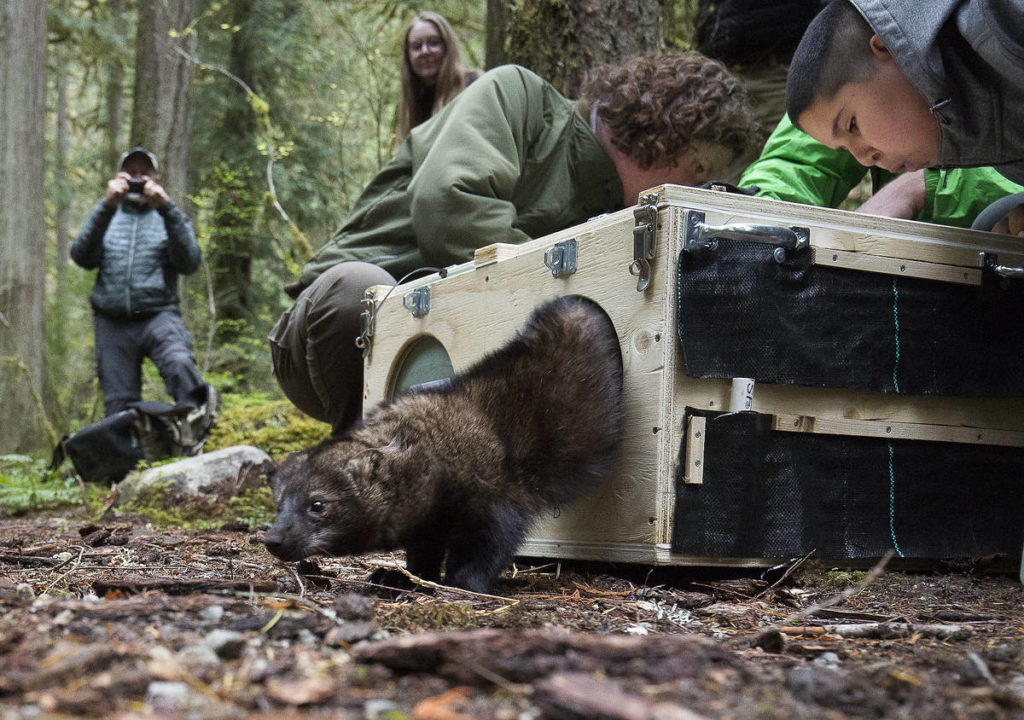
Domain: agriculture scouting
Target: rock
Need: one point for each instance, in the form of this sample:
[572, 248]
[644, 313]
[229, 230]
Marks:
[213, 614]
[352, 606]
[192, 475]
[376, 709]
[197, 656]
[173, 697]
[228, 644]
[827, 660]
[351, 632]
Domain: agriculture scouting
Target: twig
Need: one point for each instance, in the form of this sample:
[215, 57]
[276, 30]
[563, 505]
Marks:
[81, 552]
[789, 571]
[849, 592]
[438, 586]
[882, 630]
[302, 587]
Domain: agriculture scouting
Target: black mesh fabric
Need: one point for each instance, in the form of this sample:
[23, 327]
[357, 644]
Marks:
[741, 314]
[775, 494]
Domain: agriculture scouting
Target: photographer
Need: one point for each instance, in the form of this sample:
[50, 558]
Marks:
[140, 241]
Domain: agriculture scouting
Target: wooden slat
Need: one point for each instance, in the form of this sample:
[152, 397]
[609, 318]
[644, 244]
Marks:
[495, 253]
[896, 266]
[695, 433]
[853, 232]
[898, 431]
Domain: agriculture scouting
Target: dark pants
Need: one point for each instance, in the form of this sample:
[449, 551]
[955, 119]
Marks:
[121, 346]
[316, 360]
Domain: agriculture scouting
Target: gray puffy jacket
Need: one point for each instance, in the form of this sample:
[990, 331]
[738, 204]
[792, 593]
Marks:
[139, 252]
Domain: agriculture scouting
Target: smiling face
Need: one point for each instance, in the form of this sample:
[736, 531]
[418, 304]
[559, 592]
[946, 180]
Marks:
[426, 51]
[884, 121]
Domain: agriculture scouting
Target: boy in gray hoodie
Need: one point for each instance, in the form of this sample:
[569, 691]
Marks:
[906, 85]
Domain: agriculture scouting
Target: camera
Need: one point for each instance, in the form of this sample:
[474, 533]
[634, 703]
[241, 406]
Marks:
[136, 186]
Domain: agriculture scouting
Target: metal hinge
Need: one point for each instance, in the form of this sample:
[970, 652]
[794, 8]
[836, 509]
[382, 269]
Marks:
[560, 258]
[645, 233]
[417, 302]
[697, 235]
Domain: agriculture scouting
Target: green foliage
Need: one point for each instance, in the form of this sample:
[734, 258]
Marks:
[160, 505]
[276, 427]
[841, 579]
[26, 486]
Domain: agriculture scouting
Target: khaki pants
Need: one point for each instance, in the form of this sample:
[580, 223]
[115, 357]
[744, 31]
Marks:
[316, 360]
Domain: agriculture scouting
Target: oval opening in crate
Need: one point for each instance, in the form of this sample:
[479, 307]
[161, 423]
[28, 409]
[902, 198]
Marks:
[423, 360]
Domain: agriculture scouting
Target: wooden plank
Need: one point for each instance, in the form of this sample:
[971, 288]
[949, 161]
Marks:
[695, 433]
[495, 252]
[895, 266]
[898, 430]
[646, 553]
[854, 232]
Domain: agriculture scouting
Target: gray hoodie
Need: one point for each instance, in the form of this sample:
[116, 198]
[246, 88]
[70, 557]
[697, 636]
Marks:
[966, 57]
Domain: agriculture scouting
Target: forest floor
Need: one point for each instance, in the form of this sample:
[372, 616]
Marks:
[119, 620]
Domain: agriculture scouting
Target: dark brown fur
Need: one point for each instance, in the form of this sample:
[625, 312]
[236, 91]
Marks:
[455, 475]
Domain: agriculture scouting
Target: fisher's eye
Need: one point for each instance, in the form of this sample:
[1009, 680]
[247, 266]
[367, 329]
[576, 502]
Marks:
[316, 507]
[852, 127]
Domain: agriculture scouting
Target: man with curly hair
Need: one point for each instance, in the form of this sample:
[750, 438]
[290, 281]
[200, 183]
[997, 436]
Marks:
[508, 160]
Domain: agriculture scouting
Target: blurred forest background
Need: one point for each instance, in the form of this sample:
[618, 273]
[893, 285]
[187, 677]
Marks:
[268, 118]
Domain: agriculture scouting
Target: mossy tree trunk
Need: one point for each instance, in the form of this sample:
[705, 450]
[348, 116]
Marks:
[23, 356]
[561, 39]
[163, 89]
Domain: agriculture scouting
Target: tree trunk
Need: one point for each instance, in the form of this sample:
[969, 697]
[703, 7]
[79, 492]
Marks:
[114, 99]
[163, 90]
[23, 368]
[495, 52]
[561, 39]
[232, 241]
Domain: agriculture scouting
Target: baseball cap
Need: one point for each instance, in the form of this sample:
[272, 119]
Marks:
[137, 151]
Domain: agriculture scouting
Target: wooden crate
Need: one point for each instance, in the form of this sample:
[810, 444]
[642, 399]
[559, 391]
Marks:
[480, 305]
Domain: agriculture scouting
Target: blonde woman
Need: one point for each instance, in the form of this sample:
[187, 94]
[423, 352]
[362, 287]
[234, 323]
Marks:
[432, 71]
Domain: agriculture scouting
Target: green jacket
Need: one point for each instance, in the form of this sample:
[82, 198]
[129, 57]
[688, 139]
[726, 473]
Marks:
[794, 166]
[508, 160]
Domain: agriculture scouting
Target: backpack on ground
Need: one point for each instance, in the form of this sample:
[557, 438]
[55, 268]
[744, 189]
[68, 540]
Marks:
[109, 449]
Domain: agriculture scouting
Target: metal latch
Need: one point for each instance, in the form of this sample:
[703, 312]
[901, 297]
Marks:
[991, 263]
[697, 235]
[417, 302]
[560, 258]
[645, 233]
[367, 323]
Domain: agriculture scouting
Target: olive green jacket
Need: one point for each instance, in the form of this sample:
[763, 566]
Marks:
[794, 166]
[508, 160]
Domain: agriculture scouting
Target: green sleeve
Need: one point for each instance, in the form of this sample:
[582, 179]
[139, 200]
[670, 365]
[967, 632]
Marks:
[794, 166]
[955, 197]
[461, 192]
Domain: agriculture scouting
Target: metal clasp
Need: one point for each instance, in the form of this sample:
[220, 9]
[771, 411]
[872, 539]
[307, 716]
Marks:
[697, 235]
[990, 261]
[417, 302]
[645, 233]
[367, 324]
[560, 258]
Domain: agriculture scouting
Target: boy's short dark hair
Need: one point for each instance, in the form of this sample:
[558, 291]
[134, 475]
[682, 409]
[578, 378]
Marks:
[835, 51]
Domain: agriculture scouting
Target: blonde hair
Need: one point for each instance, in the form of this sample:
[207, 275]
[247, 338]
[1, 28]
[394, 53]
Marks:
[451, 78]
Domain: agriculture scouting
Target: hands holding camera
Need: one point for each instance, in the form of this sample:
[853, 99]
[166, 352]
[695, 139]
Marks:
[144, 189]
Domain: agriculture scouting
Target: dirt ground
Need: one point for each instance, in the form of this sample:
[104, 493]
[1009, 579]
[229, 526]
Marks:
[118, 620]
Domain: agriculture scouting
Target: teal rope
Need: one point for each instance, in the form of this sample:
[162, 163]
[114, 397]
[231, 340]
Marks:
[896, 386]
[892, 503]
[896, 333]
